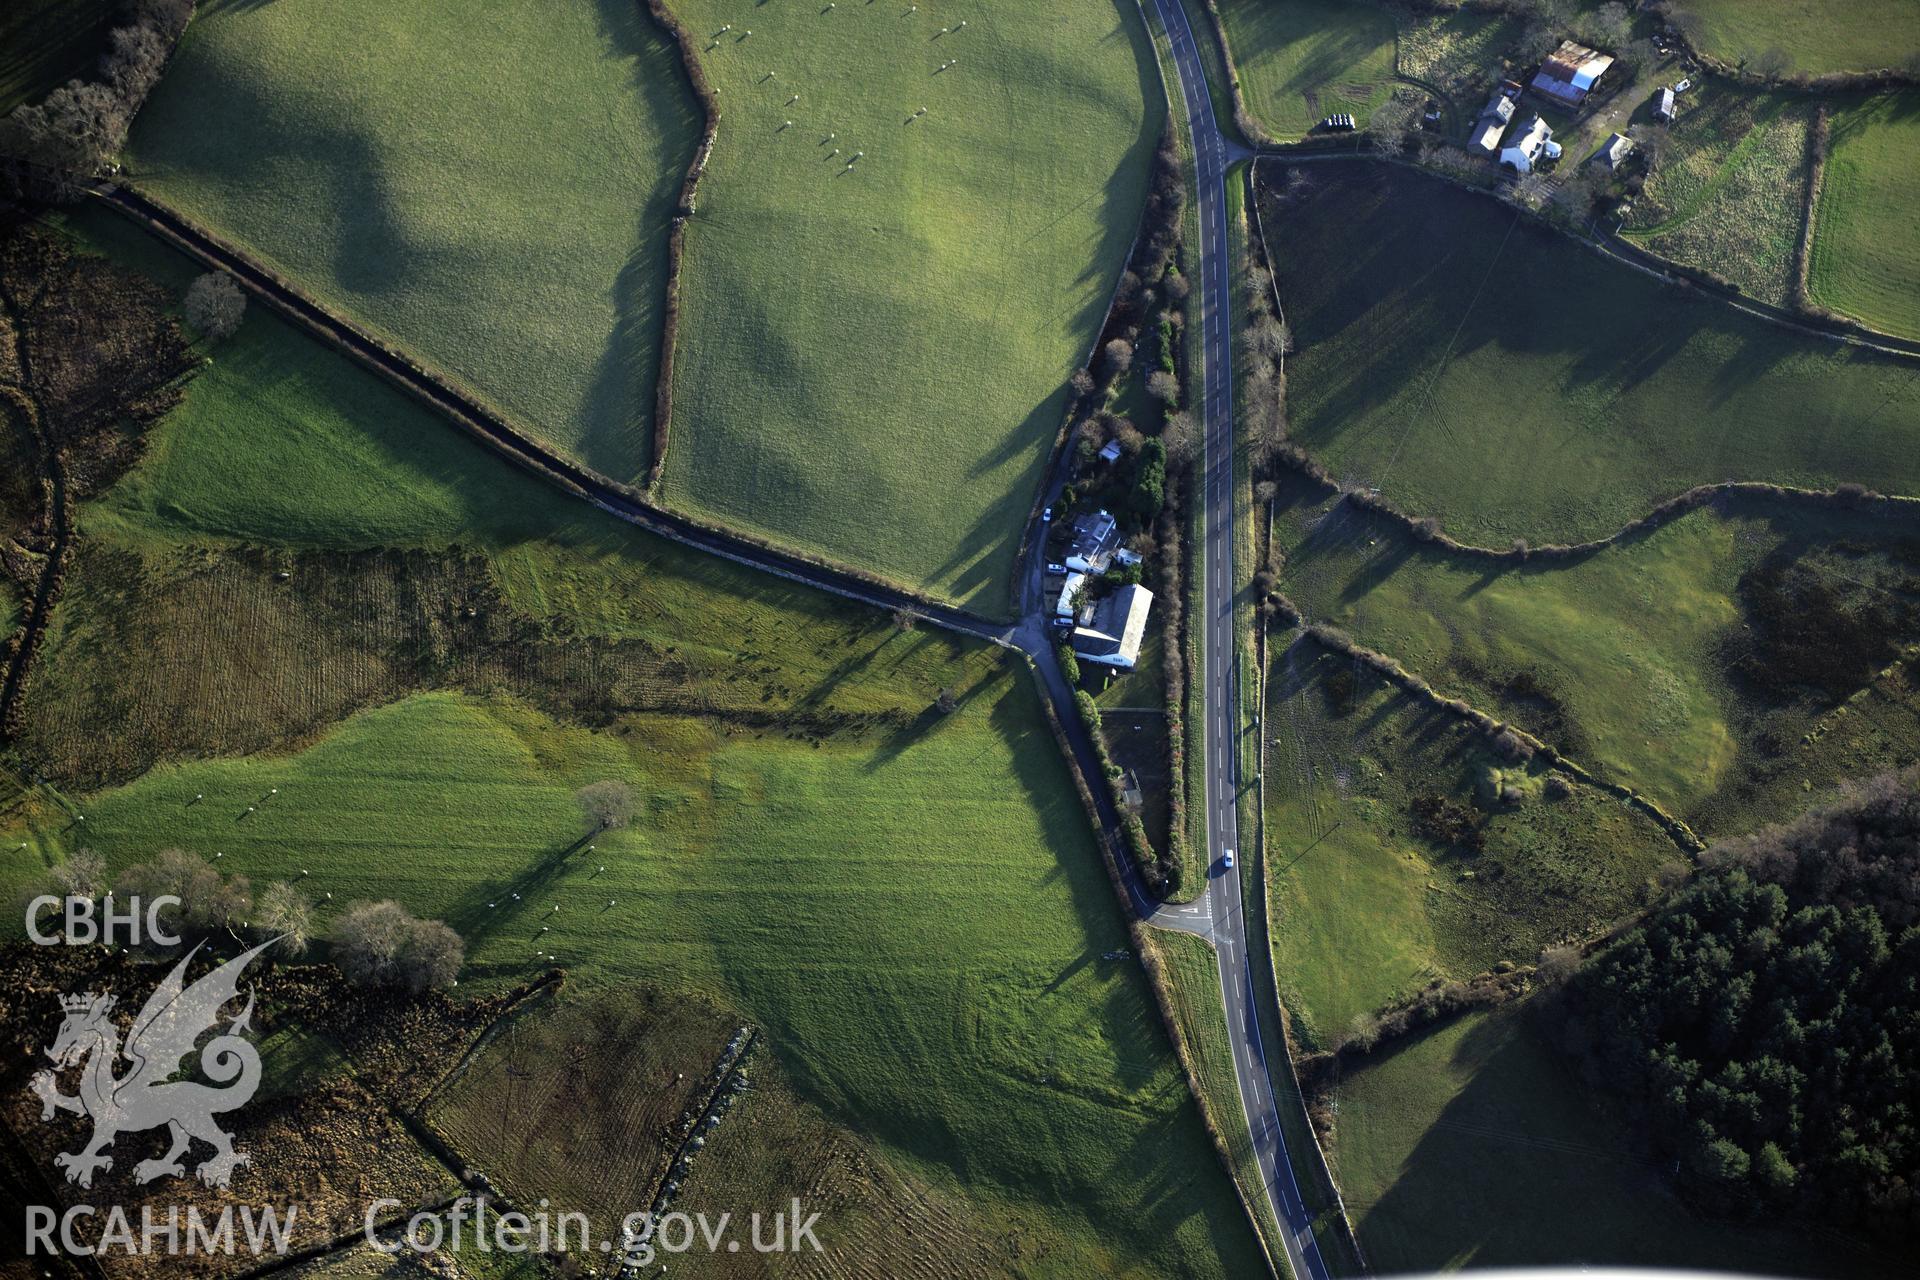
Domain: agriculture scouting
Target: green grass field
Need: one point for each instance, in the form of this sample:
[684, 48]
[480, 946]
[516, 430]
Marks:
[1498, 376]
[1303, 60]
[931, 982]
[1729, 189]
[1365, 909]
[489, 188]
[284, 443]
[1866, 238]
[45, 43]
[1621, 659]
[1818, 35]
[942, 993]
[873, 361]
[1472, 1146]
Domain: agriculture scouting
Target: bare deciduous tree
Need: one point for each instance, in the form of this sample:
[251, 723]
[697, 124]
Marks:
[82, 875]
[430, 957]
[214, 305]
[1164, 387]
[367, 939]
[1181, 435]
[1773, 65]
[176, 873]
[283, 911]
[1117, 357]
[607, 804]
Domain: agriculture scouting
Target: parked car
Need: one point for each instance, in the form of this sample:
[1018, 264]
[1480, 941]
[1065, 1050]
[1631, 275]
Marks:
[1058, 570]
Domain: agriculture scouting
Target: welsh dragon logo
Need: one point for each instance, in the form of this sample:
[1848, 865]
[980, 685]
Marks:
[169, 1025]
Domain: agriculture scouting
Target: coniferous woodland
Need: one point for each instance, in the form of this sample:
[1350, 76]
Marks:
[1766, 1020]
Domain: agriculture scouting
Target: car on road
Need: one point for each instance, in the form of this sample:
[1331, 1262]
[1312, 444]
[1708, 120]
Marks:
[1226, 861]
[1046, 517]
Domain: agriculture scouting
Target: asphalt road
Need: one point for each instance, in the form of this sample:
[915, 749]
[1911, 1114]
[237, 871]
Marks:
[1218, 914]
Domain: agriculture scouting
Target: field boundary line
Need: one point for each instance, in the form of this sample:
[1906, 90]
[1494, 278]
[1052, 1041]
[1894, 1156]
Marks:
[732, 1064]
[1255, 250]
[1819, 147]
[549, 982]
[1183, 813]
[709, 101]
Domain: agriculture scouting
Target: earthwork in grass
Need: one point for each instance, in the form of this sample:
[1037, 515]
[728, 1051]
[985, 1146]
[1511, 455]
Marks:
[1404, 847]
[1730, 189]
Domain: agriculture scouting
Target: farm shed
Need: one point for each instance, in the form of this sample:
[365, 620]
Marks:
[1112, 636]
[1570, 72]
[1111, 453]
[1491, 124]
[1619, 147]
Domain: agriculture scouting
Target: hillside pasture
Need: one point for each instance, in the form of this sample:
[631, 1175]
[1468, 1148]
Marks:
[1474, 1146]
[1866, 238]
[1663, 662]
[1304, 60]
[1369, 901]
[880, 309]
[943, 993]
[1500, 377]
[487, 187]
[1817, 36]
[1728, 191]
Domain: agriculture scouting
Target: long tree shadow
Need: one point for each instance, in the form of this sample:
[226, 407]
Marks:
[489, 909]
